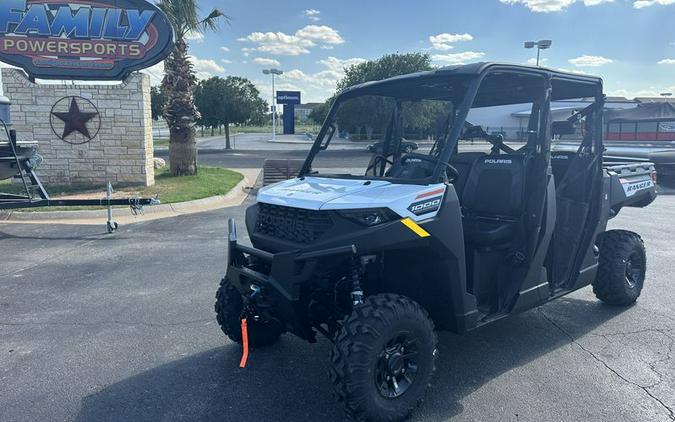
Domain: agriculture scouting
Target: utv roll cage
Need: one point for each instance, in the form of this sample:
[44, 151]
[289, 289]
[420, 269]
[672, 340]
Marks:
[473, 86]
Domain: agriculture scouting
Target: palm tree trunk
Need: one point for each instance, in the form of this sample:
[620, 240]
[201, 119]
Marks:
[182, 151]
[180, 111]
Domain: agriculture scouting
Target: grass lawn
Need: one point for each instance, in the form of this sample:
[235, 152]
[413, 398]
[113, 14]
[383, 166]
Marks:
[210, 181]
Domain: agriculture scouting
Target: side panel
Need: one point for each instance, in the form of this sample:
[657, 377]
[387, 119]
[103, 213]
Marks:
[447, 240]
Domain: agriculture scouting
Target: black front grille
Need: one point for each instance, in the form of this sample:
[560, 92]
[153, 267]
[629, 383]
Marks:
[292, 224]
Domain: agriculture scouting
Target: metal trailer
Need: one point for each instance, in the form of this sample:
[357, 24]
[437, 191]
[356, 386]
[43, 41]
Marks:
[21, 160]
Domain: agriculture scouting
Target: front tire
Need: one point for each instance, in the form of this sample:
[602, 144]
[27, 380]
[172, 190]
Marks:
[229, 307]
[623, 265]
[383, 358]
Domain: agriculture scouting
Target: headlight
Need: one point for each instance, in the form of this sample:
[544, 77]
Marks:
[370, 217]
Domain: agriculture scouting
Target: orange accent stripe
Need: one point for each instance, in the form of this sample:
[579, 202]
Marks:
[244, 340]
[433, 192]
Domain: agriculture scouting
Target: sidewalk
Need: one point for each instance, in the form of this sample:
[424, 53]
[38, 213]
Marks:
[123, 215]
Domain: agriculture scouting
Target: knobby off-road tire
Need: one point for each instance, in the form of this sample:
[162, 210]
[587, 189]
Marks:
[229, 305]
[384, 335]
[623, 264]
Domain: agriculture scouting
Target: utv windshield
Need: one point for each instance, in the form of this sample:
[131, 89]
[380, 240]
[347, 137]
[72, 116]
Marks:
[406, 129]
[393, 133]
[375, 133]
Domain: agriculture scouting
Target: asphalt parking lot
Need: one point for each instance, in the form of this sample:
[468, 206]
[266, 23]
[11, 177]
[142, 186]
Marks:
[121, 328]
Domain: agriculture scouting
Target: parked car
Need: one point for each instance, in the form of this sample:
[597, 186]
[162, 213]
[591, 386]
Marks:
[406, 147]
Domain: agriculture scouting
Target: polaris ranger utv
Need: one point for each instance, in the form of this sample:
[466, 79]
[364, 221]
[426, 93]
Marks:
[376, 260]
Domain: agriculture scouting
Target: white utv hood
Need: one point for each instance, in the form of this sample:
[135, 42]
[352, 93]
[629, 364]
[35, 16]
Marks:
[418, 202]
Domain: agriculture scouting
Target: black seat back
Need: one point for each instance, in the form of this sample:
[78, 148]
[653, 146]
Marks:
[463, 162]
[560, 163]
[495, 186]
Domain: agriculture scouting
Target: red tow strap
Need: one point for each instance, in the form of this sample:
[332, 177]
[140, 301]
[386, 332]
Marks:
[244, 341]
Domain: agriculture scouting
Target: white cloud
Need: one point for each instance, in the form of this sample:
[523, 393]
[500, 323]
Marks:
[194, 36]
[282, 44]
[338, 65]
[205, 68]
[320, 34]
[312, 14]
[666, 61]
[156, 73]
[444, 41]
[247, 51]
[226, 61]
[266, 62]
[590, 61]
[457, 58]
[547, 6]
[322, 84]
[639, 4]
[225, 49]
[533, 61]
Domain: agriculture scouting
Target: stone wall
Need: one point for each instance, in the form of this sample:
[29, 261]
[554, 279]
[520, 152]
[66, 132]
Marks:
[121, 152]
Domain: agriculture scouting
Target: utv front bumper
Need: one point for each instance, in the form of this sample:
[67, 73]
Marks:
[271, 282]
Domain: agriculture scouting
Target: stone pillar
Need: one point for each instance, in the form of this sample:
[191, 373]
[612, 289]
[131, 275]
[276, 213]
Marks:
[121, 152]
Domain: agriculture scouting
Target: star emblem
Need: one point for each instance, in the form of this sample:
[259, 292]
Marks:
[75, 120]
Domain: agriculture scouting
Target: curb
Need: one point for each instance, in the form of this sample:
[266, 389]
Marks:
[234, 197]
[270, 141]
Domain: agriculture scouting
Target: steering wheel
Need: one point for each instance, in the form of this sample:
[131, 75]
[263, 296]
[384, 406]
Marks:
[453, 173]
[377, 159]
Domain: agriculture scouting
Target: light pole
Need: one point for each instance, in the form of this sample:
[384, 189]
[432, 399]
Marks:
[274, 100]
[541, 45]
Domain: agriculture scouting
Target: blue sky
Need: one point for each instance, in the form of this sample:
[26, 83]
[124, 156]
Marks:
[631, 44]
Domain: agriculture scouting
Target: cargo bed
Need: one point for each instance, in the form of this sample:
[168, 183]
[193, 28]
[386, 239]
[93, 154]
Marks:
[631, 185]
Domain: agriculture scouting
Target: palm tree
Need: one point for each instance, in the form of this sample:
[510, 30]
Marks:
[179, 83]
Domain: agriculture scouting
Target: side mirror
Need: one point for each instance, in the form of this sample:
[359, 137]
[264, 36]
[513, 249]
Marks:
[563, 128]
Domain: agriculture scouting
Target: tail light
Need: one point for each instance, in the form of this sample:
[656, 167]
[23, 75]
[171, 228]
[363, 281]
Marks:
[654, 178]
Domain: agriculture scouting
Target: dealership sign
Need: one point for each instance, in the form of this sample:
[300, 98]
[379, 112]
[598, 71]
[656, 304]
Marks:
[288, 97]
[83, 39]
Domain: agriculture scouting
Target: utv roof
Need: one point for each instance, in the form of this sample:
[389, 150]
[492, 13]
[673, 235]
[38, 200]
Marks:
[504, 84]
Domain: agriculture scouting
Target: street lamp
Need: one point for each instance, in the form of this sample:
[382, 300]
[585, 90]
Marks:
[541, 45]
[274, 100]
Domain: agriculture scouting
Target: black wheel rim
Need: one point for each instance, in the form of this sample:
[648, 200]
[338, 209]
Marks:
[634, 270]
[397, 366]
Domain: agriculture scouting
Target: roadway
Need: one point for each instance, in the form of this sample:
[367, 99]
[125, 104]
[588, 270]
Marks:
[96, 327]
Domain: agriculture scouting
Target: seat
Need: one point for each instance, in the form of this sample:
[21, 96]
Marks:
[560, 163]
[492, 202]
[463, 162]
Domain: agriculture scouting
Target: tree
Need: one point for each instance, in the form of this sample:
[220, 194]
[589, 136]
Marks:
[319, 113]
[179, 83]
[383, 68]
[157, 101]
[231, 100]
[373, 113]
[208, 99]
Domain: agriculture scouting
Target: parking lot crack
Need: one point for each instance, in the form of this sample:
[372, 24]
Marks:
[671, 413]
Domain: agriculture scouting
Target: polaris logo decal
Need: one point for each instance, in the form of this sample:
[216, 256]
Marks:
[631, 188]
[498, 161]
[427, 206]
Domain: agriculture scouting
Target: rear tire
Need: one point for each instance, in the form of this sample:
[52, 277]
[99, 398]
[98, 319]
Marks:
[229, 306]
[623, 265]
[383, 358]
